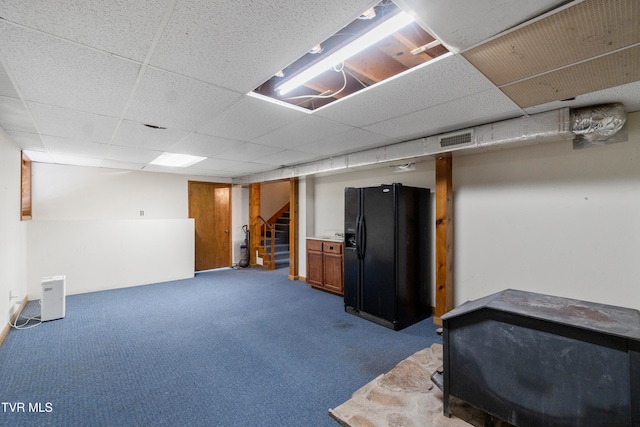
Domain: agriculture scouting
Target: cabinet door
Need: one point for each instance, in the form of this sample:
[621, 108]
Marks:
[333, 272]
[314, 268]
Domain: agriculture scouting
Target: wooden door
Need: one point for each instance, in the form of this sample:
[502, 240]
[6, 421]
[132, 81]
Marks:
[210, 206]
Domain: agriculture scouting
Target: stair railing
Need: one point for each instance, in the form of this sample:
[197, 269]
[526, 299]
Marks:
[268, 257]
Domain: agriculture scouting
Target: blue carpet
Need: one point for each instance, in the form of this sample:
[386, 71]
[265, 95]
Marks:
[226, 348]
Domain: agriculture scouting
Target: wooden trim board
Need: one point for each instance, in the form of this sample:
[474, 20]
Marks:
[7, 327]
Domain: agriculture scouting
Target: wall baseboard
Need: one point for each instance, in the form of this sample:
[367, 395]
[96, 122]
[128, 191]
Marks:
[7, 327]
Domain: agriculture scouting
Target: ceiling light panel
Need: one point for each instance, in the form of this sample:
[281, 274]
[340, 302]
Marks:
[362, 54]
[175, 160]
[369, 38]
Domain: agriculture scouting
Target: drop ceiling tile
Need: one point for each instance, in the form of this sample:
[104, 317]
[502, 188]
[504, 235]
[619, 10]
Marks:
[248, 152]
[288, 157]
[15, 116]
[250, 118]
[585, 30]
[39, 156]
[614, 69]
[134, 134]
[75, 160]
[220, 176]
[480, 108]
[198, 144]
[626, 94]
[27, 140]
[231, 167]
[131, 154]
[115, 164]
[241, 47]
[444, 79]
[56, 145]
[65, 74]
[353, 140]
[6, 87]
[125, 28]
[167, 169]
[249, 167]
[308, 129]
[217, 164]
[463, 24]
[65, 123]
[173, 101]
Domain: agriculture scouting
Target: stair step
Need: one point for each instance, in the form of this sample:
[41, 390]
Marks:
[283, 247]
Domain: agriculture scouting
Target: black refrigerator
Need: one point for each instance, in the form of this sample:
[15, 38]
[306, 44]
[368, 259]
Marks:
[386, 255]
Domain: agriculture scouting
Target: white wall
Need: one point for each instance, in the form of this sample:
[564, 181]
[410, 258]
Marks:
[550, 219]
[96, 255]
[87, 224]
[328, 191]
[273, 196]
[544, 218]
[84, 193]
[13, 254]
[240, 217]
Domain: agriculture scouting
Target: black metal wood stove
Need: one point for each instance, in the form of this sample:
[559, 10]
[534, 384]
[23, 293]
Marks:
[539, 360]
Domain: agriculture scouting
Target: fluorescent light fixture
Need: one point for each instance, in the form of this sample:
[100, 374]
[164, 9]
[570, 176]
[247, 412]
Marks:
[383, 30]
[176, 160]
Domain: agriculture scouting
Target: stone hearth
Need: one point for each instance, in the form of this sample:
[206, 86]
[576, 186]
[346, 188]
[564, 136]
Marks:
[406, 397]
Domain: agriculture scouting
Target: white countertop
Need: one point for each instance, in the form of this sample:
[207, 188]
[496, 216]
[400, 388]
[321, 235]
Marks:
[327, 238]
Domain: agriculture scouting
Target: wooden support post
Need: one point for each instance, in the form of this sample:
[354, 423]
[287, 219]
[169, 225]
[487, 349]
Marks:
[254, 223]
[444, 236]
[293, 229]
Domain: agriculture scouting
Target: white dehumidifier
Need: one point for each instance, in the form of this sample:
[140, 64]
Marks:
[52, 304]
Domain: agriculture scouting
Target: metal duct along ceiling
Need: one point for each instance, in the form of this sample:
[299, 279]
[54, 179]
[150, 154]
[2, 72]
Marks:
[593, 124]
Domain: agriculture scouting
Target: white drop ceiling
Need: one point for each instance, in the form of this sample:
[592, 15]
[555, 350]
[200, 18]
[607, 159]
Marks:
[79, 80]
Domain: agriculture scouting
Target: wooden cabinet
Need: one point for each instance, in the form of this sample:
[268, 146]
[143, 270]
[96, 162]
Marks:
[324, 265]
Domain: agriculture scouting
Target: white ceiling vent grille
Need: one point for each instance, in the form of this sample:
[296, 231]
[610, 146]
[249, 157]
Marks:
[456, 139]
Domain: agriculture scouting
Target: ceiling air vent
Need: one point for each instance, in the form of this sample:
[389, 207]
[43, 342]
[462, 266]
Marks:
[456, 139]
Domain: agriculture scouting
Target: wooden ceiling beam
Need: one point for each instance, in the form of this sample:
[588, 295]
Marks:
[375, 65]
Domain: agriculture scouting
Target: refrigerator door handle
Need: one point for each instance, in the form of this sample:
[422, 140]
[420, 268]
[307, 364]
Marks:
[363, 237]
[359, 237]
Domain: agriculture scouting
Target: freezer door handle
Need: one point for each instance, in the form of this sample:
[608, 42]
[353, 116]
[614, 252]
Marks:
[361, 237]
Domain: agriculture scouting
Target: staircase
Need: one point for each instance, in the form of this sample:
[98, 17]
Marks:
[281, 253]
[275, 252]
